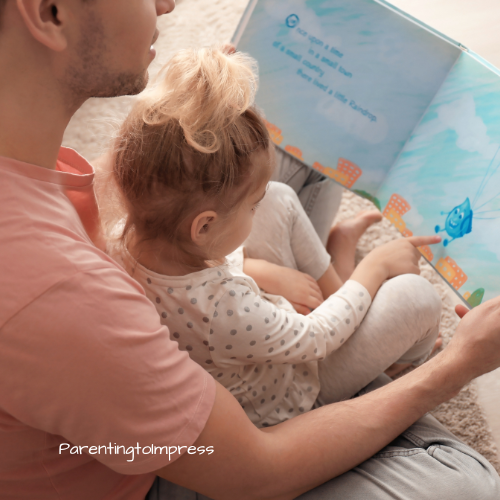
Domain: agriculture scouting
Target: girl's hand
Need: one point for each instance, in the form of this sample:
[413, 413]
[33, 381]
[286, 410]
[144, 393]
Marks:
[298, 288]
[390, 260]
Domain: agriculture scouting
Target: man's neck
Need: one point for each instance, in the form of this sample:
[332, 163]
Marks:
[34, 110]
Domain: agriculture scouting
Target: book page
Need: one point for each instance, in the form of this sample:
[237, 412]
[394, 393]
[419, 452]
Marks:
[447, 180]
[344, 82]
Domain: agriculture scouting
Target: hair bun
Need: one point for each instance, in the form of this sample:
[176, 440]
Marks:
[206, 90]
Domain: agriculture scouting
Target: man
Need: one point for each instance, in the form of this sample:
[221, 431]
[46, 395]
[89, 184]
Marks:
[89, 378]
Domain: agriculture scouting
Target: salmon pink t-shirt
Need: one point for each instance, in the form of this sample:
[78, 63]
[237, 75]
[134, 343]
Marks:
[84, 360]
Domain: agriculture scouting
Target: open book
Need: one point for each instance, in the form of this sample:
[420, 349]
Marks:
[396, 112]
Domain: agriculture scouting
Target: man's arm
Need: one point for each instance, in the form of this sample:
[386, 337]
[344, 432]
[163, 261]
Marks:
[284, 461]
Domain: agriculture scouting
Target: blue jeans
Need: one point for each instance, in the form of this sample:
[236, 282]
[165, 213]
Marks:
[426, 462]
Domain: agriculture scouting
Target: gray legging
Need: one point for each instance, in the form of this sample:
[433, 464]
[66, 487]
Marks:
[426, 461]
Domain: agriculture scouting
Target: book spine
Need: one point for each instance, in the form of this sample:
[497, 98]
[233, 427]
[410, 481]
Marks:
[235, 40]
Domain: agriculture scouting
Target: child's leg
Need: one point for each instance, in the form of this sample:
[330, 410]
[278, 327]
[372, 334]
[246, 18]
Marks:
[321, 199]
[283, 234]
[319, 196]
[401, 326]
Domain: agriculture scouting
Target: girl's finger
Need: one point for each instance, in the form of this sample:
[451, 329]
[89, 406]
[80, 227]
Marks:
[317, 289]
[301, 309]
[419, 241]
[316, 294]
[313, 302]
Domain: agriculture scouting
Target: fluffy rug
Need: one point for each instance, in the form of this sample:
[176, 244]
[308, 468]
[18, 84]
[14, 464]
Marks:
[204, 22]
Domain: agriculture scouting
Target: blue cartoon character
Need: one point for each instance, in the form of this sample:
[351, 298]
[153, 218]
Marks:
[458, 223]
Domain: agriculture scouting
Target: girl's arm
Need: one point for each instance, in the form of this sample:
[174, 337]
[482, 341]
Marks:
[252, 330]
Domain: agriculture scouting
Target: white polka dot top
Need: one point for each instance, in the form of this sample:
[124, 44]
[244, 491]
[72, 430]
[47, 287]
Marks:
[254, 344]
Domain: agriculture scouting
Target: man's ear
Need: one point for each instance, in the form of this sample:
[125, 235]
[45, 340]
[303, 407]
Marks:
[44, 20]
[201, 227]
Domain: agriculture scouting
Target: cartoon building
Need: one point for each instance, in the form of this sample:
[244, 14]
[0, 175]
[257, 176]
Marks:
[294, 152]
[396, 219]
[347, 173]
[398, 204]
[350, 169]
[451, 272]
[274, 132]
[427, 253]
[394, 212]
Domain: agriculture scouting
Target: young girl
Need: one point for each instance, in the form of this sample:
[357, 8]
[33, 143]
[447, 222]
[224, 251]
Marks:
[192, 162]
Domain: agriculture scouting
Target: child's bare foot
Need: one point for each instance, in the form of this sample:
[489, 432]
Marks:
[343, 239]
[396, 368]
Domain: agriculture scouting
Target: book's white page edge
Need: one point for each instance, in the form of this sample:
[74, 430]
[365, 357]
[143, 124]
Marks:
[484, 62]
[235, 40]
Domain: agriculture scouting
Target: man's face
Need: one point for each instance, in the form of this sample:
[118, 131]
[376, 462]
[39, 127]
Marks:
[110, 52]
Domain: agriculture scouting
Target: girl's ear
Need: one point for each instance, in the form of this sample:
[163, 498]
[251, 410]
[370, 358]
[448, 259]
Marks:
[201, 227]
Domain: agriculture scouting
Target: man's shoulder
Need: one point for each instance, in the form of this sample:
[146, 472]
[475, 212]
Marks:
[37, 259]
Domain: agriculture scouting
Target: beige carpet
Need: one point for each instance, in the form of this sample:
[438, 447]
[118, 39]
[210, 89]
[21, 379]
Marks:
[203, 22]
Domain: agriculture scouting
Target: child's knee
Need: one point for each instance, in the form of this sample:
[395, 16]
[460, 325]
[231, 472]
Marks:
[417, 294]
[281, 198]
[281, 190]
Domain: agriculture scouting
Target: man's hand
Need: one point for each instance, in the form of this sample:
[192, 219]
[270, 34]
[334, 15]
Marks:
[302, 291]
[476, 343]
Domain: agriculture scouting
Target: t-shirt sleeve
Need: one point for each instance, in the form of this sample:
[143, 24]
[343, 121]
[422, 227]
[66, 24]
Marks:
[89, 360]
[249, 329]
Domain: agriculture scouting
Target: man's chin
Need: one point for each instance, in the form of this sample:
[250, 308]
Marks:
[123, 85]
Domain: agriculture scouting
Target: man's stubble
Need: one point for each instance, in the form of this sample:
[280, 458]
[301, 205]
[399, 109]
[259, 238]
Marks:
[91, 74]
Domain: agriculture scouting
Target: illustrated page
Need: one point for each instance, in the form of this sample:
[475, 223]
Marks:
[344, 82]
[447, 180]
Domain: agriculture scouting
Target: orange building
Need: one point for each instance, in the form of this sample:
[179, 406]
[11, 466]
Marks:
[350, 169]
[343, 177]
[320, 168]
[274, 133]
[427, 252]
[395, 219]
[407, 233]
[398, 204]
[451, 272]
[294, 152]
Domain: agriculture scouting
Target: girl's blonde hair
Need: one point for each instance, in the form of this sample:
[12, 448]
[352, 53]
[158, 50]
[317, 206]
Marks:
[187, 146]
